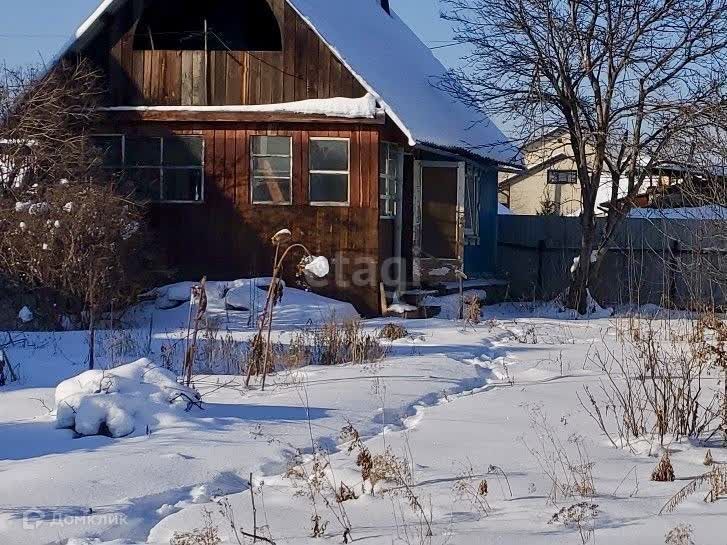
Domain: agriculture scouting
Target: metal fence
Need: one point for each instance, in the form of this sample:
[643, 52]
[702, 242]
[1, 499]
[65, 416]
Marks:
[681, 263]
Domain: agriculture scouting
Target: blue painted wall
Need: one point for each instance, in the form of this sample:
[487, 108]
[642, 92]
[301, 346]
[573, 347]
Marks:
[482, 258]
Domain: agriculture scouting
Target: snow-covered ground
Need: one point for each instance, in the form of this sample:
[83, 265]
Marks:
[448, 400]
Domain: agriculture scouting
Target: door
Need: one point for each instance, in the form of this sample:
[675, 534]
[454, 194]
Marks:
[438, 217]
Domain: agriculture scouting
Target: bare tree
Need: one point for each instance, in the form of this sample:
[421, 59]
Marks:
[71, 237]
[45, 119]
[623, 78]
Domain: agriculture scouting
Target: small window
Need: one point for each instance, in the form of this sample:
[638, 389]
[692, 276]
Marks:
[271, 169]
[329, 170]
[389, 179]
[168, 169]
[561, 177]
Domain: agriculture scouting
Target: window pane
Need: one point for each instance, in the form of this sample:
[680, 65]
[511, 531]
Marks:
[143, 151]
[329, 155]
[144, 182]
[562, 177]
[383, 151]
[271, 167]
[391, 190]
[110, 149]
[183, 151]
[182, 184]
[329, 188]
[271, 191]
[271, 145]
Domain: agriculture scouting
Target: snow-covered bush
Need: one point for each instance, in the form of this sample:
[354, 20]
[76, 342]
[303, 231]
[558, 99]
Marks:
[88, 257]
[120, 401]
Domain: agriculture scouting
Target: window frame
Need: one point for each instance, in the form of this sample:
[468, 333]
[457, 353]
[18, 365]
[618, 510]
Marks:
[557, 171]
[123, 167]
[476, 174]
[252, 170]
[388, 178]
[347, 202]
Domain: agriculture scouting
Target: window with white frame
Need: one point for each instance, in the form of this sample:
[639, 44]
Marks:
[390, 175]
[562, 177]
[474, 176]
[160, 169]
[329, 164]
[272, 169]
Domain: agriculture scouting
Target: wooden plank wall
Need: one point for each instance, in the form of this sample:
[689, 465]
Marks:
[228, 237]
[304, 69]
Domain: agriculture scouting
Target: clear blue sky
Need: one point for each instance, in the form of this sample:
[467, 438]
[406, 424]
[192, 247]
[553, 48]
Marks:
[33, 30]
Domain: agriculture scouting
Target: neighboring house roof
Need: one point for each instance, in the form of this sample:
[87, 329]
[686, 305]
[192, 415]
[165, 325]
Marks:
[540, 140]
[391, 63]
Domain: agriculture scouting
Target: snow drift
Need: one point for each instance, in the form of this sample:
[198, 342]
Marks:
[119, 401]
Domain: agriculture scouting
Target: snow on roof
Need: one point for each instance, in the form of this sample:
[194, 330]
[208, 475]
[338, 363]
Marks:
[392, 64]
[352, 108]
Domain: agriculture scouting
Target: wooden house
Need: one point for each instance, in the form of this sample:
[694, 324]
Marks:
[239, 118]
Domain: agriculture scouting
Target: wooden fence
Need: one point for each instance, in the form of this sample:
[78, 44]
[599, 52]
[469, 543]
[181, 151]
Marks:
[668, 262]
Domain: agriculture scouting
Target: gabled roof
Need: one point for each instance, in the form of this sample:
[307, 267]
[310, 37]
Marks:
[389, 61]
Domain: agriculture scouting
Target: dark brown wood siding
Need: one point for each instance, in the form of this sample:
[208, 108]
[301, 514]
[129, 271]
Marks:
[228, 237]
[304, 69]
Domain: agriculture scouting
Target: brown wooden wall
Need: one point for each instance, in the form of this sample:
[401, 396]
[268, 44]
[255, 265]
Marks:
[305, 68]
[228, 237]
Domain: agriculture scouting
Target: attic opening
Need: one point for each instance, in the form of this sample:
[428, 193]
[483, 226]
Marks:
[221, 25]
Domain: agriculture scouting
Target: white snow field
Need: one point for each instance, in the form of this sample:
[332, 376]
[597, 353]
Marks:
[448, 400]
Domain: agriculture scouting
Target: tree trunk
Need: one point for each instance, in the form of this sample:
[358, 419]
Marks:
[577, 294]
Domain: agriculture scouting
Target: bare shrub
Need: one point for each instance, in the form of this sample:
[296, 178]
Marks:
[80, 245]
[387, 467]
[334, 344]
[566, 464]
[45, 118]
[393, 332]
[220, 352]
[658, 384]
[207, 535]
[715, 480]
[473, 489]
[316, 481]
[664, 471]
[472, 310]
[679, 535]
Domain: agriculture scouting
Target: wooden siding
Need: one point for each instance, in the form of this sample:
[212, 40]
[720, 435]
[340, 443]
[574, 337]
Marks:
[228, 237]
[304, 69]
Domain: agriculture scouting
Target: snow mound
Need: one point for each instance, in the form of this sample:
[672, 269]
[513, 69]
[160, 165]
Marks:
[120, 401]
[224, 298]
